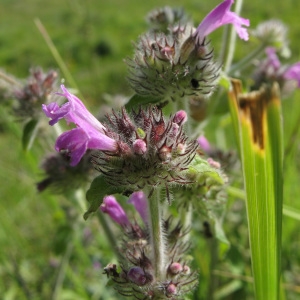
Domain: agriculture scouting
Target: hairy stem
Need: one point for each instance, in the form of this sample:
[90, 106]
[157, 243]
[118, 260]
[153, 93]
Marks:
[156, 234]
[62, 270]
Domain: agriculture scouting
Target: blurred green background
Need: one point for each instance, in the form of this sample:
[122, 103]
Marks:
[42, 255]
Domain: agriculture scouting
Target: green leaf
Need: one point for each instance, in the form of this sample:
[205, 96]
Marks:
[98, 189]
[201, 171]
[29, 134]
[257, 119]
[224, 81]
[137, 100]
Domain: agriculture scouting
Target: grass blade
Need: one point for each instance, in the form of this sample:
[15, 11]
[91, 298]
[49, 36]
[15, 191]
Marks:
[258, 116]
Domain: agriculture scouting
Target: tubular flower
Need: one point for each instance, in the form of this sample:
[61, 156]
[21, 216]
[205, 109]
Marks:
[88, 134]
[139, 200]
[111, 207]
[219, 16]
[180, 63]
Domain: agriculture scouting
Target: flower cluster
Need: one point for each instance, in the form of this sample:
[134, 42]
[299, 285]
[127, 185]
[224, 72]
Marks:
[136, 276]
[36, 90]
[62, 178]
[170, 66]
[272, 33]
[271, 70]
[161, 19]
[144, 150]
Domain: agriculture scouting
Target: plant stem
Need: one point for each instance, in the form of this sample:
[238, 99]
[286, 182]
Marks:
[156, 234]
[232, 39]
[9, 79]
[214, 247]
[248, 59]
[62, 270]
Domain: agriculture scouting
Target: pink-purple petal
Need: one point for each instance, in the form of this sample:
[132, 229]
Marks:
[293, 73]
[140, 202]
[75, 142]
[111, 207]
[79, 115]
[219, 16]
[89, 134]
[55, 112]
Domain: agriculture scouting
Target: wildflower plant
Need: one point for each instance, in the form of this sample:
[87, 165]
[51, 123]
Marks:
[156, 182]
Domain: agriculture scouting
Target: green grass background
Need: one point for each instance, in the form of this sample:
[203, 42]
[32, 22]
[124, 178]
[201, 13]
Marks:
[37, 229]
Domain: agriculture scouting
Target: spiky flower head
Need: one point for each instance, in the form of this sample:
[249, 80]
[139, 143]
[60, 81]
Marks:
[151, 150]
[161, 19]
[37, 89]
[178, 64]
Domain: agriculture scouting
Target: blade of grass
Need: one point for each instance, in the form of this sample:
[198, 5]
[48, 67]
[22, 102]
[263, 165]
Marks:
[258, 115]
[56, 55]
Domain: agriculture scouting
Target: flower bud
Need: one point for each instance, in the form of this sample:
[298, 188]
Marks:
[111, 207]
[139, 147]
[171, 289]
[214, 163]
[204, 143]
[175, 268]
[180, 117]
[137, 276]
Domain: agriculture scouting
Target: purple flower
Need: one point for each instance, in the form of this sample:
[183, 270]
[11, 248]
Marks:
[139, 200]
[111, 207]
[219, 16]
[293, 73]
[271, 69]
[272, 63]
[88, 134]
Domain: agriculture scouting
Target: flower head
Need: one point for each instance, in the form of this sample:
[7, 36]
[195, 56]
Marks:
[219, 16]
[37, 90]
[111, 207]
[152, 151]
[160, 19]
[180, 63]
[274, 34]
[88, 134]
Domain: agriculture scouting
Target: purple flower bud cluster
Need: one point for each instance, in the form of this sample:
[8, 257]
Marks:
[137, 272]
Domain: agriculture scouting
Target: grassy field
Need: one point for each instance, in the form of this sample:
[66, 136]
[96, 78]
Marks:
[47, 251]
